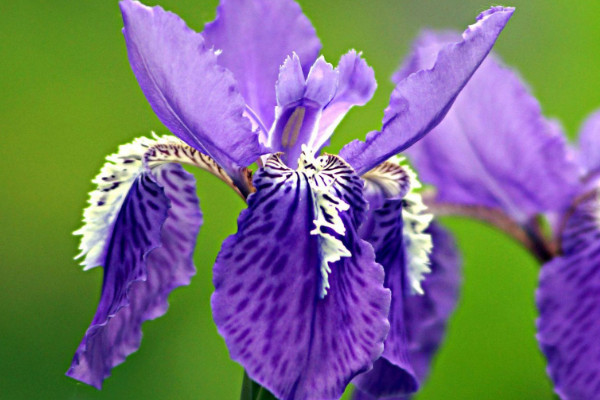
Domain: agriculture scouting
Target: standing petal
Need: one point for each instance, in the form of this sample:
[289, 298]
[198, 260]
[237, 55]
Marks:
[568, 299]
[255, 37]
[193, 96]
[589, 145]
[420, 101]
[355, 88]
[494, 148]
[299, 298]
[141, 224]
[300, 104]
[308, 110]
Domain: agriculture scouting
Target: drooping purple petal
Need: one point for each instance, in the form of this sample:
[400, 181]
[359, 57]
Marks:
[197, 99]
[301, 326]
[255, 38]
[568, 300]
[494, 147]
[589, 145]
[356, 87]
[420, 101]
[149, 254]
[425, 316]
[392, 374]
[397, 227]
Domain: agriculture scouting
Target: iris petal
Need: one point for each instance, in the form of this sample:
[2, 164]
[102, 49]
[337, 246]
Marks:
[589, 145]
[197, 99]
[420, 101]
[494, 148]
[392, 375]
[355, 88]
[141, 225]
[426, 318]
[300, 104]
[427, 315]
[394, 227]
[568, 299]
[255, 38]
[115, 180]
[387, 186]
[269, 303]
[149, 254]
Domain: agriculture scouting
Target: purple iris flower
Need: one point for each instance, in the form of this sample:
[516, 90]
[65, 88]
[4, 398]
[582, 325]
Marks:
[497, 158]
[303, 289]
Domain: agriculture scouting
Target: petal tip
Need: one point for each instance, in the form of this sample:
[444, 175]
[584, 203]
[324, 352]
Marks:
[494, 10]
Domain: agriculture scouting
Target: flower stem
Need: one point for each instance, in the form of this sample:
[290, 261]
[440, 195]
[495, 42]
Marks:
[253, 391]
[528, 235]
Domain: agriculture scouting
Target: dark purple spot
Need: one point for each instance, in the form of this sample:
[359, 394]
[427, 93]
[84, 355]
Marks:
[280, 264]
[279, 291]
[233, 290]
[257, 312]
[242, 305]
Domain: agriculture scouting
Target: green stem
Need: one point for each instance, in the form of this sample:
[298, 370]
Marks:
[253, 391]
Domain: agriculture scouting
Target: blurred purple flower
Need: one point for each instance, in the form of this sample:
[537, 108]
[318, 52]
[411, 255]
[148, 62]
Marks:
[300, 296]
[496, 157]
[568, 296]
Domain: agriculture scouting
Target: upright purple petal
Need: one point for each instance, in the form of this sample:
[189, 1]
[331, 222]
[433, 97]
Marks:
[255, 37]
[299, 297]
[589, 145]
[149, 254]
[291, 84]
[356, 87]
[568, 299]
[420, 101]
[300, 103]
[197, 99]
[494, 148]
[321, 82]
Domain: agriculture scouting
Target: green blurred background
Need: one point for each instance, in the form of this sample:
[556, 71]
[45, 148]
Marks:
[68, 98]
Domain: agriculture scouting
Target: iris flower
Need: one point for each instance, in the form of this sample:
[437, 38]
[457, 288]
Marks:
[496, 157]
[303, 289]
